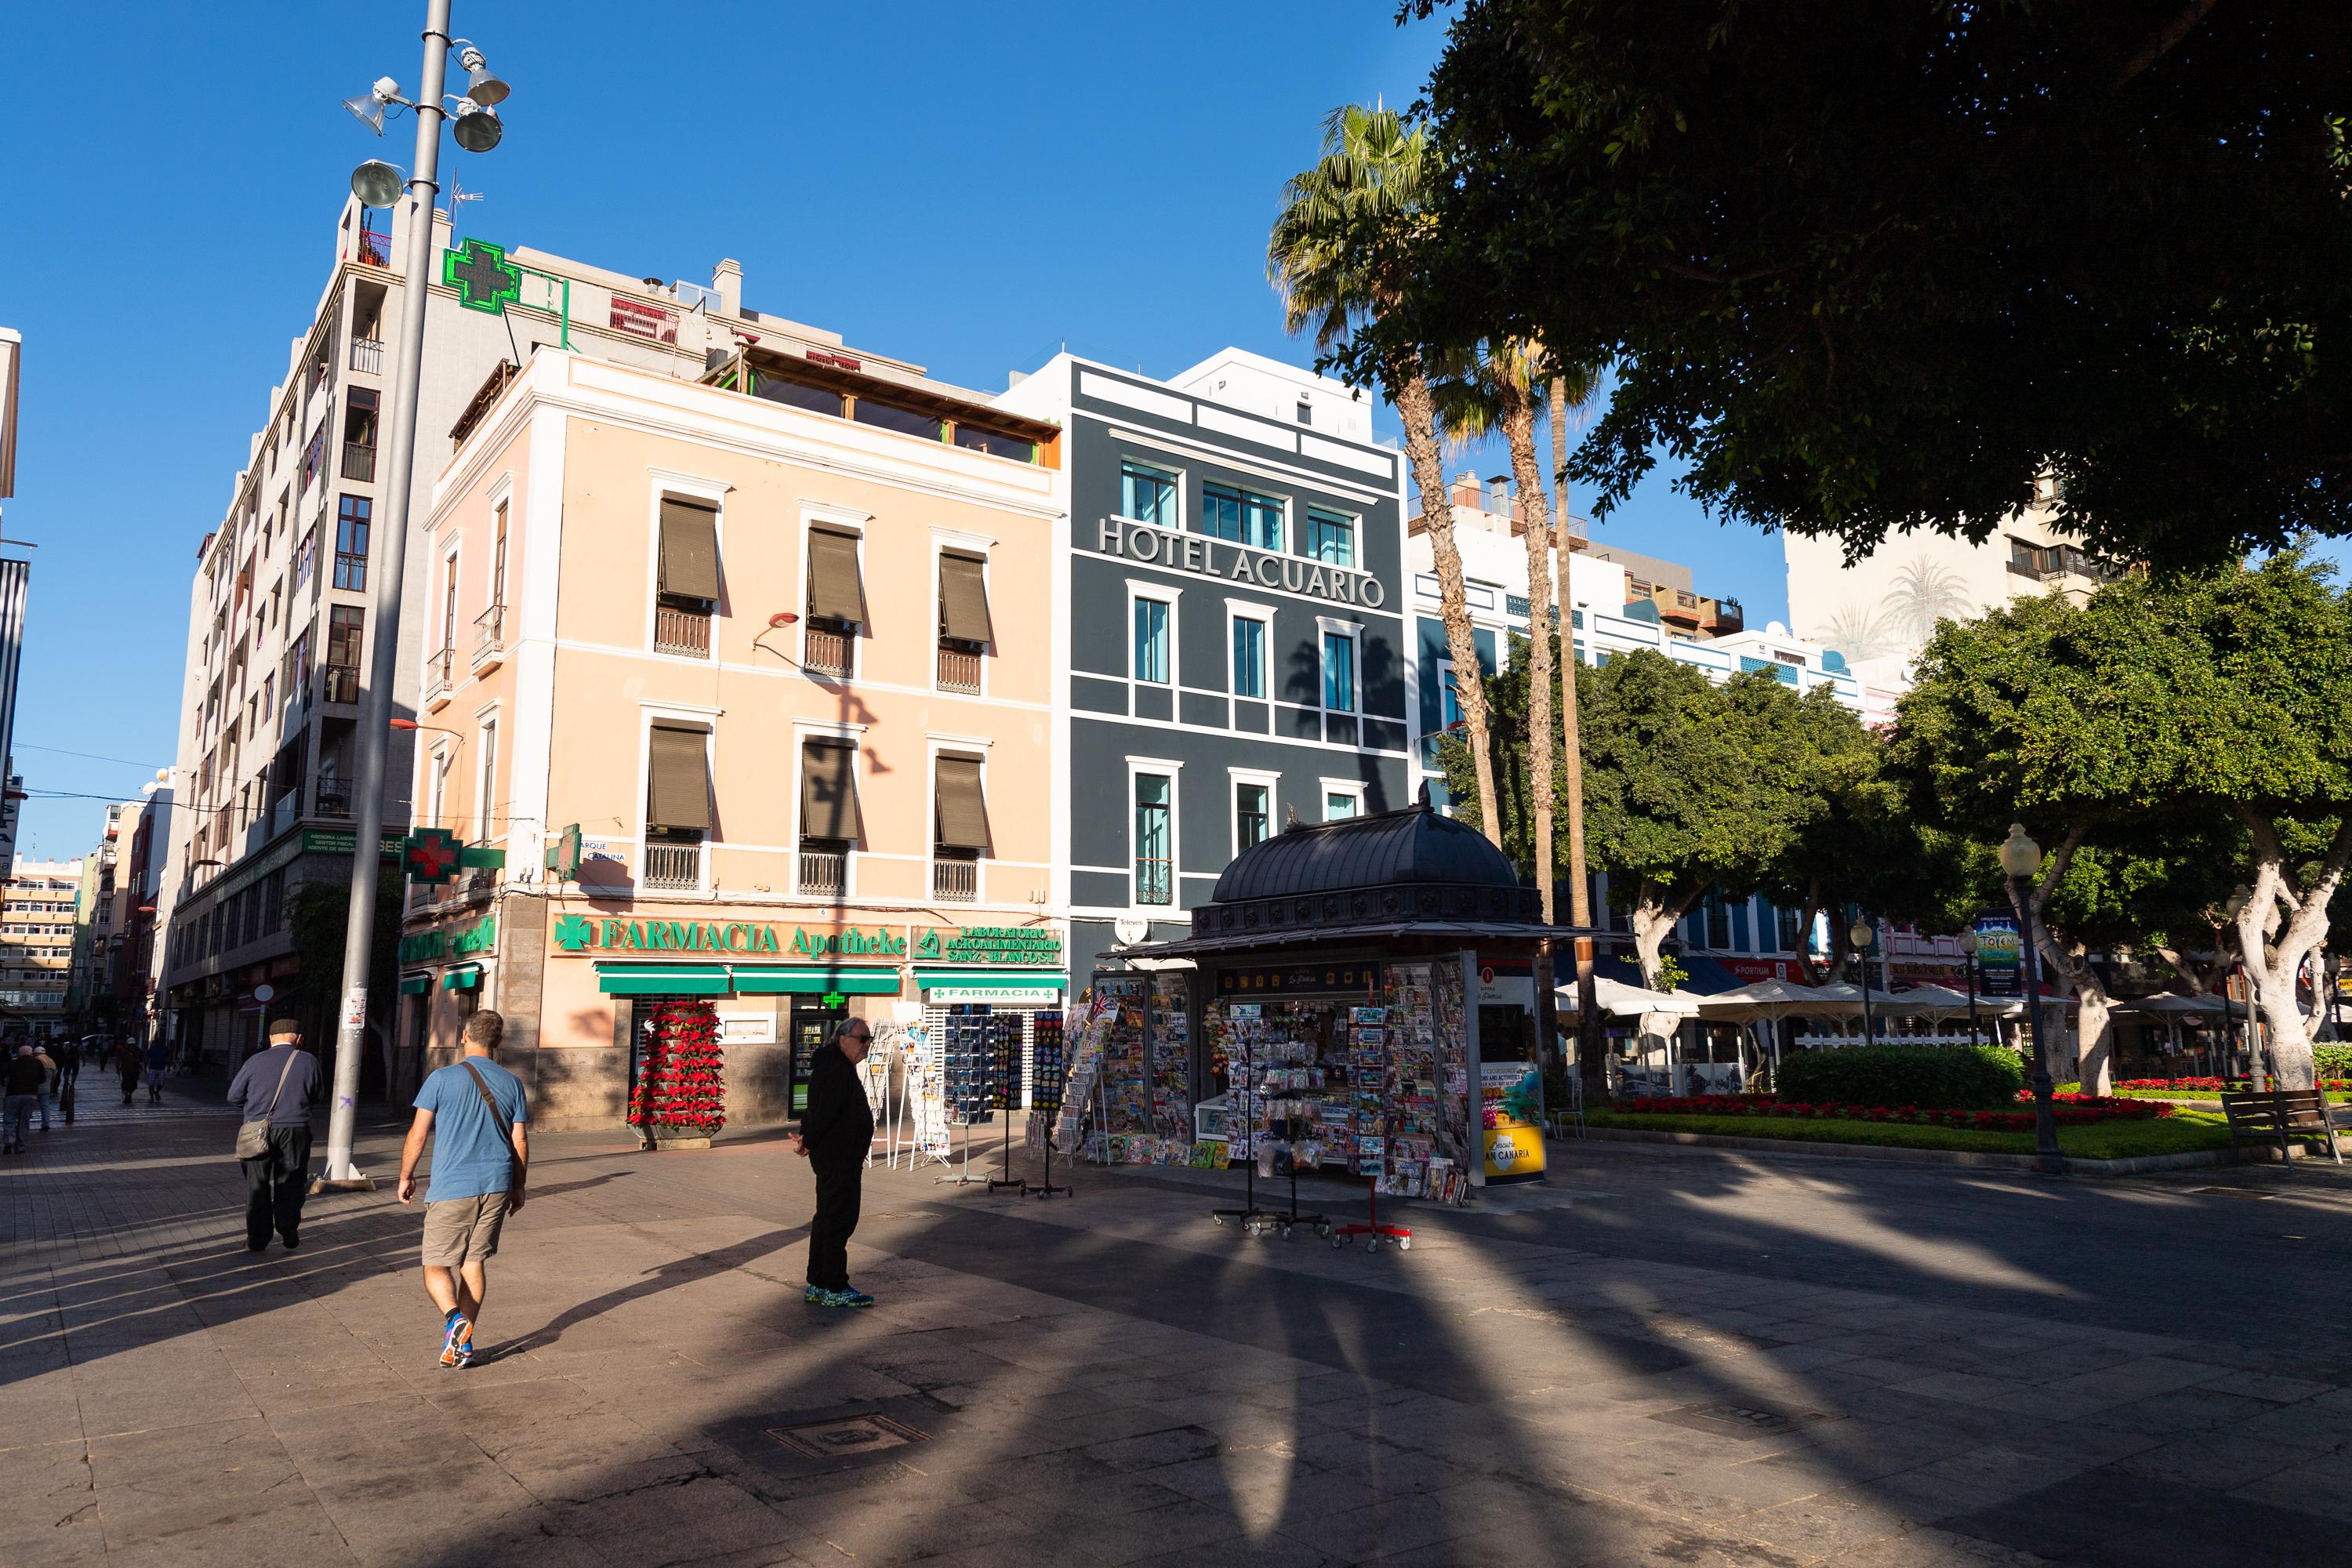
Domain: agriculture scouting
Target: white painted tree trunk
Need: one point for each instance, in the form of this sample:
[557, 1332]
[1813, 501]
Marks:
[2280, 927]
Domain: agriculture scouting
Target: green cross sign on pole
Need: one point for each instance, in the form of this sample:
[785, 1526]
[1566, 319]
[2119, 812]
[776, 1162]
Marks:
[484, 279]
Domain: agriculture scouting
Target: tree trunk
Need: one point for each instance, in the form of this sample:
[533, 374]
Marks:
[1591, 1057]
[1520, 432]
[1419, 412]
[2093, 1032]
[2278, 929]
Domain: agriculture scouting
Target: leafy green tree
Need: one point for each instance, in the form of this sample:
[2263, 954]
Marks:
[1881, 266]
[318, 921]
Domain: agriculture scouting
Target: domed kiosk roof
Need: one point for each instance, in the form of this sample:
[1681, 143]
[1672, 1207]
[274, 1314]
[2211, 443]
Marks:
[1402, 873]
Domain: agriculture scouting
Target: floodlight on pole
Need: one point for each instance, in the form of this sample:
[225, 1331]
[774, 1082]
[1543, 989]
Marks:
[482, 84]
[368, 109]
[376, 184]
[476, 127]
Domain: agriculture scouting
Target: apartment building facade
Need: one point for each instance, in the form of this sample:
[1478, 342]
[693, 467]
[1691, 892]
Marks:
[39, 909]
[1234, 645]
[281, 641]
[89, 996]
[740, 691]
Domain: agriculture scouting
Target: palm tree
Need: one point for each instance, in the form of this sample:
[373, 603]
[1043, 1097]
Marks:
[1573, 390]
[1337, 254]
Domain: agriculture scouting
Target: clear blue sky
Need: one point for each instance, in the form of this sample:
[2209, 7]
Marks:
[968, 186]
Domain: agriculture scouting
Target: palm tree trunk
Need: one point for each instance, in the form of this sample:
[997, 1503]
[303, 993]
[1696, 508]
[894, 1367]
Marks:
[1592, 1063]
[1418, 410]
[1543, 778]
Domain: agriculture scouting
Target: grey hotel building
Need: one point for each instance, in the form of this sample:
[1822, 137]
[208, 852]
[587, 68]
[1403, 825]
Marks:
[1238, 653]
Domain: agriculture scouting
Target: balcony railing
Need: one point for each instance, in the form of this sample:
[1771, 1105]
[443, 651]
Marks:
[955, 881]
[358, 461]
[959, 670]
[681, 631]
[373, 249]
[489, 636]
[335, 804]
[437, 672]
[826, 651]
[342, 683]
[1153, 884]
[823, 871]
[367, 356]
[674, 866]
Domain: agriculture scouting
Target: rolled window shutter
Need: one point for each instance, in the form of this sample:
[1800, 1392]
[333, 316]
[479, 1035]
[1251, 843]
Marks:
[689, 550]
[963, 810]
[828, 791]
[678, 791]
[963, 600]
[835, 590]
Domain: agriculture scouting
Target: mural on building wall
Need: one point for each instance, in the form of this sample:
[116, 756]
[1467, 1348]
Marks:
[1902, 619]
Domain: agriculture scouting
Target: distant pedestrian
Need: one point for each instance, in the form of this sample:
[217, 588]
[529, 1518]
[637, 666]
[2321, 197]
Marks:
[129, 1061]
[49, 1080]
[477, 1114]
[27, 1070]
[159, 1057]
[836, 1132]
[279, 1085]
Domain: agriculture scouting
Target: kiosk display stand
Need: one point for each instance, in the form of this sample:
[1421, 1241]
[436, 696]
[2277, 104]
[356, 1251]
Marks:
[1005, 1052]
[1372, 1230]
[969, 1057]
[1253, 1220]
[1046, 1096]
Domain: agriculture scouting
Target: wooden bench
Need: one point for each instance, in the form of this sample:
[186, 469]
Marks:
[2280, 1116]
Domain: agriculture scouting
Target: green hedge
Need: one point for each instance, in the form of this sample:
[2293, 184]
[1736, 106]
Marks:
[2333, 1061]
[1975, 1078]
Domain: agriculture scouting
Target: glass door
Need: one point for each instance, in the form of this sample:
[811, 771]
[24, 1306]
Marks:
[812, 1024]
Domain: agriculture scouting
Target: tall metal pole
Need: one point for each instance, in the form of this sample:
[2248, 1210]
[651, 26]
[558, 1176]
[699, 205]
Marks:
[375, 700]
[1973, 1040]
[2046, 1121]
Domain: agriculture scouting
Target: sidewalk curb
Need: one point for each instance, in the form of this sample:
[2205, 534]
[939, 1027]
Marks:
[1963, 1157]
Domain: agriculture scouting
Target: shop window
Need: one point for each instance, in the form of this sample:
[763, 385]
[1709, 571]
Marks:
[1253, 815]
[1249, 656]
[1242, 516]
[678, 806]
[836, 603]
[1151, 641]
[959, 831]
[1147, 494]
[1339, 671]
[686, 578]
[828, 815]
[1155, 881]
[1331, 538]
[965, 626]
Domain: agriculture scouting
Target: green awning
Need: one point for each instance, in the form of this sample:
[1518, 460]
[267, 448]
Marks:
[415, 984]
[466, 977]
[997, 979]
[662, 979]
[754, 980]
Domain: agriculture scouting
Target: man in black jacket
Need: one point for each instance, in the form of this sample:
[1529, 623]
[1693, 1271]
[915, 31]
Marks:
[836, 1130]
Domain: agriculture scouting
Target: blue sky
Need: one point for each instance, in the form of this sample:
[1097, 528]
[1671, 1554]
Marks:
[968, 186]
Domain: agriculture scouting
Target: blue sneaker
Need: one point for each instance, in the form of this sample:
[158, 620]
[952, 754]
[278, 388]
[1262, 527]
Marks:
[853, 1297]
[816, 1295]
[456, 1340]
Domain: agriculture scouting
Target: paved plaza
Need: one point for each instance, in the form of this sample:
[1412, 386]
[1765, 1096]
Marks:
[1659, 1358]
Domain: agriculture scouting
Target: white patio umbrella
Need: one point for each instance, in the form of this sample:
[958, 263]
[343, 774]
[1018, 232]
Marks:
[2172, 1004]
[1620, 1000]
[1762, 1002]
[1944, 1001]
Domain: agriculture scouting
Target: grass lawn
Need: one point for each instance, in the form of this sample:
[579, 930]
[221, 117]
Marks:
[2335, 1096]
[2182, 1132]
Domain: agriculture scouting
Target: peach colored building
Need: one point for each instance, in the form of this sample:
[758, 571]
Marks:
[777, 645]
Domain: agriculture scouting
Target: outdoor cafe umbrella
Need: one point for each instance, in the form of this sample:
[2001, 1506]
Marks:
[1620, 1000]
[1942, 1001]
[2172, 1004]
[1762, 1002]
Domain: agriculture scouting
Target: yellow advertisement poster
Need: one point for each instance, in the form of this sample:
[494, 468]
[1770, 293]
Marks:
[1513, 1093]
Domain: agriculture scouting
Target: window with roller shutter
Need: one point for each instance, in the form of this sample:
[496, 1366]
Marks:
[836, 603]
[966, 629]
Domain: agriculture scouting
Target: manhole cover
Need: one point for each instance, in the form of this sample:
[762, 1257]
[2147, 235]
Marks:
[848, 1437]
[2235, 1192]
[1743, 1421]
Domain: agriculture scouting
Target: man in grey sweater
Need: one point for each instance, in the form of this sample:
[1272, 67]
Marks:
[281, 1083]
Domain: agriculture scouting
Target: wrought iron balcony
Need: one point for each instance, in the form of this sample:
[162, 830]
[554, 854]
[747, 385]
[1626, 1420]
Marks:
[955, 881]
[1153, 881]
[678, 867]
[681, 631]
[826, 651]
[824, 872]
[358, 461]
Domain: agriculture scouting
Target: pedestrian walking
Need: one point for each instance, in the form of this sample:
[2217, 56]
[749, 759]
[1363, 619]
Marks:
[159, 1057]
[276, 1088]
[836, 1132]
[49, 1086]
[129, 1060]
[27, 1070]
[477, 1114]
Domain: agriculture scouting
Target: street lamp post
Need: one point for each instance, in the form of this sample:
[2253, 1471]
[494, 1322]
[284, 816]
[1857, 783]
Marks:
[1969, 945]
[478, 130]
[1862, 935]
[2020, 857]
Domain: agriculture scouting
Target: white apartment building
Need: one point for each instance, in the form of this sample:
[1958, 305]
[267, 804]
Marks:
[1880, 611]
[280, 619]
[38, 906]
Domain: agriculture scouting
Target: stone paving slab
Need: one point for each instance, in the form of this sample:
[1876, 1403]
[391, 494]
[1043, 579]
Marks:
[1655, 1359]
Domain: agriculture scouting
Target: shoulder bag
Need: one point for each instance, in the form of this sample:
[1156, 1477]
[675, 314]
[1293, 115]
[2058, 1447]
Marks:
[253, 1137]
[506, 1134]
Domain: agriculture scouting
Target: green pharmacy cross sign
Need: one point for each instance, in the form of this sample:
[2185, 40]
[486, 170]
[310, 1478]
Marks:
[484, 279]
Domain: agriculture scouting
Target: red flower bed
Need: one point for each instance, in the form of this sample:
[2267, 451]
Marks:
[2216, 1084]
[2070, 1110]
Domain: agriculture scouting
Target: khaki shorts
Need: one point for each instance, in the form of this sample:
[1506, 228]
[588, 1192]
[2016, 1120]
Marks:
[459, 1231]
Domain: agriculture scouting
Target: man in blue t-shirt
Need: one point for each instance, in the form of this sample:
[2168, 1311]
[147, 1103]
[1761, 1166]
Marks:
[476, 1111]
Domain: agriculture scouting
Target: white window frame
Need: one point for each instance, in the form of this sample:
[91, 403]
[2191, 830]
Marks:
[1327, 625]
[661, 483]
[1352, 788]
[1235, 779]
[960, 746]
[1183, 493]
[1174, 772]
[1355, 523]
[1245, 610]
[852, 734]
[677, 716]
[486, 734]
[1171, 597]
[944, 539]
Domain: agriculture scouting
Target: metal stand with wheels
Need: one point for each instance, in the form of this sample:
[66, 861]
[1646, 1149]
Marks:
[1372, 1230]
[1019, 1183]
[967, 1178]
